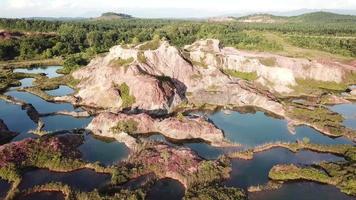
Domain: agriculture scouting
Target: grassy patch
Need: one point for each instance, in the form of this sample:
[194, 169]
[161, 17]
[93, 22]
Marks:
[214, 192]
[127, 126]
[270, 62]
[292, 172]
[309, 85]
[250, 76]
[119, 62]
[150, 45]
[342, 175]
[127, 99]
[319, 117]
[141, 57]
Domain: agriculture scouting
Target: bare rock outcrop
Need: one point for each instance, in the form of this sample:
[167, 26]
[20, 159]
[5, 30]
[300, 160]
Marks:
[172, 127]
[158, 79]
[101, 80]
[276, 72]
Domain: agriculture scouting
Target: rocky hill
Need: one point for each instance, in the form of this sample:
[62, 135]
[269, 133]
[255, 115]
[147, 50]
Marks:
[158, 78]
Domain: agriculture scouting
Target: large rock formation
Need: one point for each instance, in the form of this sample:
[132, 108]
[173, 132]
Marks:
[172, 127]
[278, 73]
[158, 80]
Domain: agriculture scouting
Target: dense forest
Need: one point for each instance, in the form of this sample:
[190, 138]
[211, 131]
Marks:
[48, 39]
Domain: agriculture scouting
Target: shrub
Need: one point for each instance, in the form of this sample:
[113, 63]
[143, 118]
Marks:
[127, 99]
[119, 62]
[127, 126]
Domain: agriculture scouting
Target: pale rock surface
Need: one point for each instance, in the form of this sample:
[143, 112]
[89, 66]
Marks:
[172, 127]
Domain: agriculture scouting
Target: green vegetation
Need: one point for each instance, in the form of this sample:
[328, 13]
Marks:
[341, 150]
[268, 61]
[50, 39]
[339, 174]
[321, 118]
[127, 99]
[72, 63]
[119, 62]
[250, 76]
[141, 57]
[309, 86]
[127, 126]
[213, 192]
[151, 45]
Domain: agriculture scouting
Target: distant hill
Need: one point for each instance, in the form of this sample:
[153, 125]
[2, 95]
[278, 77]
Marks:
[221, 19]
[324, 17]
[113, 16]
[262, 18]
[315, 17]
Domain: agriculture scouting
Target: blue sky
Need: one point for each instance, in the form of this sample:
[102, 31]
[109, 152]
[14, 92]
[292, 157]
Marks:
[160, 8]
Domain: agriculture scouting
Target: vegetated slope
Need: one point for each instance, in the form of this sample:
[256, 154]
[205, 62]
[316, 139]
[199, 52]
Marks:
[324, 17]
[113, 16]
[263, 18]
[315, 17]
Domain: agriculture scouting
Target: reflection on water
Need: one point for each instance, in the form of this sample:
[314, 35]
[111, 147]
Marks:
[63, 122]
[4, 188]
[348, 111]
[61, 91]
[256, 129]
[41, 105]
[254, 172]
[84, 179]
[44, 196]
[50, 71]
[15, 118]
[203, 149]
[301, 191]
[166, 189]
[106, 152]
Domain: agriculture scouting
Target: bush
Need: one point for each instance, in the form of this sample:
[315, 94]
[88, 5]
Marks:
[127, 126]
[127, 99]
[72, 63]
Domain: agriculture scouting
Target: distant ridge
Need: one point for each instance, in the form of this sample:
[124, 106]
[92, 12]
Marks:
[113, 16]
[315, 17]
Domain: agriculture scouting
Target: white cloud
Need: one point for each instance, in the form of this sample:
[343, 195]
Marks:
[22, 8]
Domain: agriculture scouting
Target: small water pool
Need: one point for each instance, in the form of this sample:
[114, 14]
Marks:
[254, 172]
[41, 105]
[4, 188]
[44, 196]
[348, 111]
[63, 122]
[50, 71]
[84, 179]
[15, 118]
[302, 191]
[61, 91]
[166, 189]
[105, 151]
[255, 129]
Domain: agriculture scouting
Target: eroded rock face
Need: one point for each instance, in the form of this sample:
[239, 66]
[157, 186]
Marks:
[159, 79]
[234, 94]
[172, 127]
[276, 72]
